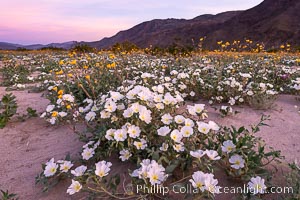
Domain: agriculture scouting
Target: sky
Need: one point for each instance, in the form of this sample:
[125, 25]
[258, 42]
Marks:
[47, 21]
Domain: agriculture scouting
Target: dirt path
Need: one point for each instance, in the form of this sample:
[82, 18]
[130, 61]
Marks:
[25, 145]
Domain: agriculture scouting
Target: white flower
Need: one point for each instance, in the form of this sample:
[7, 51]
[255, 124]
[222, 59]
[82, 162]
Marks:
[102, 168]
[135, 107]
[191, 110]
[128, 113]
[237, 161]
[160, 106]
[87, 153]
[43, 115]
[110, 134]
[167, 119]
[157, 98]
[231, 101]
[156, 175]
[65, 166]
[163, 131]
[174, 72]
[110, 106]
[271, 92]
[211, 184]
[189, 122]
[186, 131]
[74, 187]
[213, 125]
[228, 146]
[68, 97]
[203, 127]
[257, 185]
[142, 144]
[176, 136]
[79, 171]
[134, 131]
[262, 86]
[52, 120]
[125, 155]
[50, 108]
[198, 108]
[198, 154]
[151, 170]
[178, 147]
[192, 93]
[145, 115]
[120, 135]
[179, 119]
[168, 99]
[212, 154]
[90, 116]
[116, 96]
[51, 168]
[62, 114]
[198, 180]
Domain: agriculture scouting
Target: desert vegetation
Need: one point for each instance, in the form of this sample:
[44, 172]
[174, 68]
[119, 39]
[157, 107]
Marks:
[150, 113]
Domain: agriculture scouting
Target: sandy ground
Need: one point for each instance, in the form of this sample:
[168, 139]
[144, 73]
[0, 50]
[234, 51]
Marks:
[25, 145]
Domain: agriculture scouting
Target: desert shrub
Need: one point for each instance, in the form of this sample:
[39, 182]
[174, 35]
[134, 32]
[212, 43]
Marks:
[8, 108]
[6, 195]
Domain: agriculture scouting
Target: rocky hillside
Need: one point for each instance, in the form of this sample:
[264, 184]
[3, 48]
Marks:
[272, 22]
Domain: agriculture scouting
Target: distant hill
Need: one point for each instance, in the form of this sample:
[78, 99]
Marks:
[272, 22]
[9, 46]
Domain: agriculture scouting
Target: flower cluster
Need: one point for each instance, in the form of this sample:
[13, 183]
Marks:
[150, 171]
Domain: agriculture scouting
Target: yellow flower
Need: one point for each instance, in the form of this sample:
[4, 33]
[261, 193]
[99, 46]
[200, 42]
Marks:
[68, 106]
[282, 47]
[54, 88]
[73, 62]
[164, 66]
[70, 75]
[112, 65]
[60, 92]
[88, 77]
[85, 67]
[111, 56]
[54, 114]
[59, 72]
[61, 62]
[59, 96]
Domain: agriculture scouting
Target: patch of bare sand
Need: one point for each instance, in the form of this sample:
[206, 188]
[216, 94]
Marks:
[25, 145]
